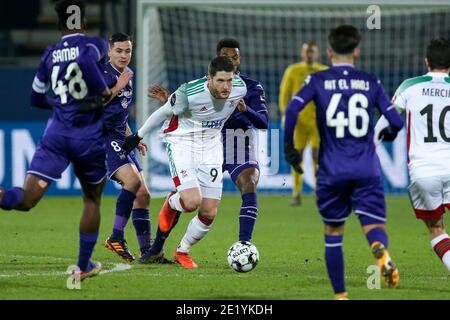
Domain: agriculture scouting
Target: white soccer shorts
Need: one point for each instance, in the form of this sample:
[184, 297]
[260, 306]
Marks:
[429, 196]
[197, 168]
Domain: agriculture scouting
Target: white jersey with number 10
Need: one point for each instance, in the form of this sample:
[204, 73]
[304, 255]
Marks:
[426, 100]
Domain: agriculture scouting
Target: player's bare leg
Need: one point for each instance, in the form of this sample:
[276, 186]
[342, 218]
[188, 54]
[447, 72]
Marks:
[89, 228]
[440, 240]
[247, 182]
[197, 229]
[25, 198]
[130, 181]
[334, 259]
[377, 237]
[187, 200]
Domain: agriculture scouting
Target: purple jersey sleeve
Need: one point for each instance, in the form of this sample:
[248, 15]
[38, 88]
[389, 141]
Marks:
[42, 101]
[256, 107]
[92, 74]
[97, 49]
[387, 108]
[94, 52]
[297, 103]
[40, 86]
[40, 83]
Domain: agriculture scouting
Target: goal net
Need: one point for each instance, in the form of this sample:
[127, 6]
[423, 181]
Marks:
[177, 39]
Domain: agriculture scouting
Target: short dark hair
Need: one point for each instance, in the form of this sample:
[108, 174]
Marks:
[61, 9]
[119, 37]
[344, 39]
[227, 43]
[438, 54]
[220, 63]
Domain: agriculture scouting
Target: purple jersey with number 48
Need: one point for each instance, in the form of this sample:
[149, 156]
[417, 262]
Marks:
[70, 69]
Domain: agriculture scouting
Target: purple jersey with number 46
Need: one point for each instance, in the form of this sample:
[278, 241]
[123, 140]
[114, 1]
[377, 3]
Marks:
[346, 100]
[349, 173]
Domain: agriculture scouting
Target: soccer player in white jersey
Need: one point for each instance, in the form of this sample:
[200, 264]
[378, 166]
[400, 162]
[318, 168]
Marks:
[194, 116]
[426, 101]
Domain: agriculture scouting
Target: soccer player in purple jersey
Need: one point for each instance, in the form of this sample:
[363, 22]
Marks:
[349, 173]
[238, 137]
[134, 198]
[75, 130]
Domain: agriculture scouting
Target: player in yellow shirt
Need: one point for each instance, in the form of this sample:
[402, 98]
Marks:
[306, 130]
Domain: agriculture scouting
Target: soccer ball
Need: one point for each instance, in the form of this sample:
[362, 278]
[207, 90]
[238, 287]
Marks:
[243, 256]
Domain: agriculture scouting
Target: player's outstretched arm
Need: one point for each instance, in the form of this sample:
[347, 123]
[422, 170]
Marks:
[132, 141]
[391, 122]
[256, 110]
[142, 146]
[383, 131]
[158, 92]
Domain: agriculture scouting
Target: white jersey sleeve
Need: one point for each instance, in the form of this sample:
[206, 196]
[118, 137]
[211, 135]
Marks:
[399, 99]
[178, 100]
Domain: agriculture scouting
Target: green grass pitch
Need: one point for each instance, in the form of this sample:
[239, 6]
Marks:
[37, 248]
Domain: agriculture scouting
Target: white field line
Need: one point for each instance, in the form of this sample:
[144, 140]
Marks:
[115, 267]
[122, 267]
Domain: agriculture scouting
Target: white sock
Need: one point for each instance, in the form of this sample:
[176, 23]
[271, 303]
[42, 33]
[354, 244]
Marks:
[446, 257]
[446, 260]
[196, 230]
[174, 202]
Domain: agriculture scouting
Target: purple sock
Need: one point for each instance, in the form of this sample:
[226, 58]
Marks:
[334, 259]
[160, 238]
[247, 217]
[87, 244]
[377, 235]
[124, 205]
[141, 222]
[11, 198]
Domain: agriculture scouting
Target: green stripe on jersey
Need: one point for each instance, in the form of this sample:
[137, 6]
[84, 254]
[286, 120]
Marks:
[410, 82]
[195, 83]
[201, 85]
[447, 79]
[173, 168]
[193, 92]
